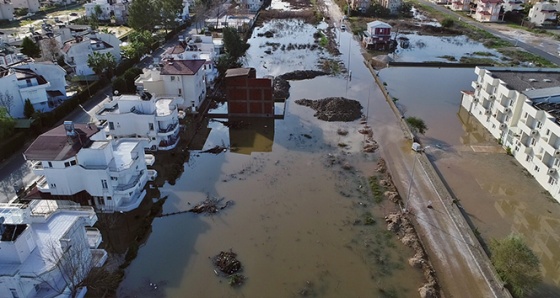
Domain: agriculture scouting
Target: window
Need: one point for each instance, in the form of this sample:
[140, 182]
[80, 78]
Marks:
[172, 78]
[111, 126]
[525, 116]
[72, 162]
[114, 178]
[50, 164]
[66, 164]
[104, 183]
[552, 181]
[529, 158]
[537, 168]
[548, 132]
[109, 198]
[52, 185]
[180, 91]
[14, 293]
[533, 141]
[539, 124]
[557, 162]
[151, 125]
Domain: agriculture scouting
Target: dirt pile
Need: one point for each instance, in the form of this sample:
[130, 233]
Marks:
[334, 108]
[281, 88]
[302, 75]
[401, 225]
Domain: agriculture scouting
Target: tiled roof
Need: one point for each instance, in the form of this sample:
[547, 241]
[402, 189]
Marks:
[56, 145]
[181, 67]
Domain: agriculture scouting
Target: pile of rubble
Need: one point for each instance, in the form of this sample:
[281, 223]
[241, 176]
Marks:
[334, 108]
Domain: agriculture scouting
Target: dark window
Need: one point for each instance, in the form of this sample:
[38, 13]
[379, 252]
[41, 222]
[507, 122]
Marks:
[50, 164]
[66, 164]
[111, 126]
[72, 162]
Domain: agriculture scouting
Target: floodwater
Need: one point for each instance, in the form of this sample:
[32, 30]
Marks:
[498, 195]
[297, 224]
[440, 48]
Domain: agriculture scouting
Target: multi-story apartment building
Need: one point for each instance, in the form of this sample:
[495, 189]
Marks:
[77, 162]
[154, 119]
[47, 248]
[521, 108]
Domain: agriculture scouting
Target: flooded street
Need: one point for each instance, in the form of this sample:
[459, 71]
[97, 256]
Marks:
[495, 191]
[301, 222]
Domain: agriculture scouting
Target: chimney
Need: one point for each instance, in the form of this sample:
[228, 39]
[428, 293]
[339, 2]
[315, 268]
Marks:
[69, 127]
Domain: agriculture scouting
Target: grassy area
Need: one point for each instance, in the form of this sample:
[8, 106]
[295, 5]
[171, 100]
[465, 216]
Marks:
[522, 56]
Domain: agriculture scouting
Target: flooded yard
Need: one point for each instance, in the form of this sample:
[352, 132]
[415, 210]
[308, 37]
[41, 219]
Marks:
[304, 221]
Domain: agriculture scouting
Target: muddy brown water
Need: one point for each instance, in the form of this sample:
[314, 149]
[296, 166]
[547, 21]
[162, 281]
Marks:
[497, 194]
[292, 224]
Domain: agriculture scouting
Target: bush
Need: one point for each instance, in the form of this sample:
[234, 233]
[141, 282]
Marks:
[447, 23]
[12, 144]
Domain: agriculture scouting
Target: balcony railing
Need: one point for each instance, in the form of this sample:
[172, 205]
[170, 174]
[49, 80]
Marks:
[171, 127]
[130, 185]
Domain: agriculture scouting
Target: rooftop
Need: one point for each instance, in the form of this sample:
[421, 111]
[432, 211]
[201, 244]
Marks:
[182, 67]
[523, 79]
[55, 144]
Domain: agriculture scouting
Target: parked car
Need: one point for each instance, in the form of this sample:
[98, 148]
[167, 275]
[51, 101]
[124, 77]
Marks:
[342, 27]
[74, 14]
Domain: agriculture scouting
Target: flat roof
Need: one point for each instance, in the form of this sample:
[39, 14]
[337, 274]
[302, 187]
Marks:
[523, 79]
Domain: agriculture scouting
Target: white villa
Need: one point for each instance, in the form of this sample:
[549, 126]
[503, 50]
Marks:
[251, 5]
[521, 108]
[513, 5]
[31, 5]
[116, 8]
[31, 81]
[6, 11]
[487, 10]
[392, 5]
[461, 5]
[199, 47]
[153, 119]
[543, 13]
[77, 51]
[77, 162]
[176, 78]
[47, 248]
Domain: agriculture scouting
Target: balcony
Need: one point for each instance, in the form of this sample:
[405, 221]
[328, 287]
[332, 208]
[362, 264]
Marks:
[128, 187]
[94, 237]
[150, 159]
[171, 129]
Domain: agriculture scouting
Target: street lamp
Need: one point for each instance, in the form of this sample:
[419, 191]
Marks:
[412, 178]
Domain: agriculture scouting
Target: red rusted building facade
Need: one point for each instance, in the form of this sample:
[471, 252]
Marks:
[247, 95]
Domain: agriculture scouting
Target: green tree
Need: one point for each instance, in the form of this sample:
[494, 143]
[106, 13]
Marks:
[102, 64]
[7, 123]
[168, 12]
[516, 264]
[233, 44]
[143, 15]
[417, 125]
[28, 109]
[139, 44]
[30, 48]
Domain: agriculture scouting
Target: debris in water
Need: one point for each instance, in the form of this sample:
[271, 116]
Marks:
[227, 263]
[210, 205]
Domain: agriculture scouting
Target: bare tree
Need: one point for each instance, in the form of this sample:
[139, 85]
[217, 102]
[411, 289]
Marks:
[7, 101]
[50, 49]
[70, 260]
